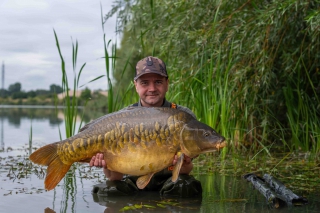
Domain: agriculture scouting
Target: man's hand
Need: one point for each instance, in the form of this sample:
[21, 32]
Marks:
[99, 161]
[187, 165]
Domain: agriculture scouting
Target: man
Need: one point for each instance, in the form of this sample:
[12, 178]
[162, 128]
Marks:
[152, 83]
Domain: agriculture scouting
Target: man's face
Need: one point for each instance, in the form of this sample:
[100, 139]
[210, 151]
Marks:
[152, 89]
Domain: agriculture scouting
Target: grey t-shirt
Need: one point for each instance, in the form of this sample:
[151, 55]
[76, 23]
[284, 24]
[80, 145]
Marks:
[167, 104]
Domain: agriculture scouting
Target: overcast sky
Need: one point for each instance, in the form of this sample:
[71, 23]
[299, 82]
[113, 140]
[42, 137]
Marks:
[27, 42]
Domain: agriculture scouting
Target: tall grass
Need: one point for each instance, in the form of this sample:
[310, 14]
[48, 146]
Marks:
[209, 94]
[256, 46]
[70, 102]
[303, 119]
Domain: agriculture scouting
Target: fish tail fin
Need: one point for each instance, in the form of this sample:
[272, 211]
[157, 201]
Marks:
[47, 156]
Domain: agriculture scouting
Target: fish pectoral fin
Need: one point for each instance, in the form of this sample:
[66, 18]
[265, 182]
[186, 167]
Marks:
[143, 181]
[177, 167]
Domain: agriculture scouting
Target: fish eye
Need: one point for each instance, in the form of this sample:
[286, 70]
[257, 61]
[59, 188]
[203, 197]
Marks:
[205, 134]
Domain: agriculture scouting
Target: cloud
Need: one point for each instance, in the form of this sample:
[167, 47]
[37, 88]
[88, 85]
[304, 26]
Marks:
[28, 46]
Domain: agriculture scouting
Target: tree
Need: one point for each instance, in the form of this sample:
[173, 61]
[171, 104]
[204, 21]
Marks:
[19, 95]
[31, 94]
[55, 88]
[85, 94]
[16, 87]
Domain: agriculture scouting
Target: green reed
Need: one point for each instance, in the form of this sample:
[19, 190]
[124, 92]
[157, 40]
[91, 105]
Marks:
[71, 115]
[71, 112]
[70, 101]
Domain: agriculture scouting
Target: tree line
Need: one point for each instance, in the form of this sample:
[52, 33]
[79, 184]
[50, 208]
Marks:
[13, 95]
[14, 91]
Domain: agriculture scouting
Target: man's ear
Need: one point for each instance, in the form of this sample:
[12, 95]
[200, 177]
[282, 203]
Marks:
[168, 84]
[135, 84]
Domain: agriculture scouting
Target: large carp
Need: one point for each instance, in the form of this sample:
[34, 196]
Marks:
[138, 141]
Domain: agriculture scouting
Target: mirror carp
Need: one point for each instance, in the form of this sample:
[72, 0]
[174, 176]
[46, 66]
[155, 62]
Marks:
[137, 141]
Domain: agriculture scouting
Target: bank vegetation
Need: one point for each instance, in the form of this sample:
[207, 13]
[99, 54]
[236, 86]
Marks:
[249, 69]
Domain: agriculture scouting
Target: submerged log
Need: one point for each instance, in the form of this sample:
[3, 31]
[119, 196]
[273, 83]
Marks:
[283, 192]
[262, 187]
[274, 191]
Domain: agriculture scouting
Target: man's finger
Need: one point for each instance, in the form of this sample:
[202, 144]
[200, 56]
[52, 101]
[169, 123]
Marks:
[92, 161]
[98, 155]
[96, 162]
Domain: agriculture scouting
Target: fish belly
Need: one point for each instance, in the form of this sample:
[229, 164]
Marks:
[141, 162]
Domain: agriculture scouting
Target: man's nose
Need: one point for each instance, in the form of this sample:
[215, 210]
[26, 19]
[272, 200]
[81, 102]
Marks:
[152, 87]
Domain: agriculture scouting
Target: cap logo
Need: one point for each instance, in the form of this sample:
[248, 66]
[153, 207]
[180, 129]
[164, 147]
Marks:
[149, 61]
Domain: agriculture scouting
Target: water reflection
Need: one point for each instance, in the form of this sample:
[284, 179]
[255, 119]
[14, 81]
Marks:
[16, 121]
[148, 201]
[69, 193]
[15, 115]
[235, 194]
[223, 194]
[40, 119]
[1, 136]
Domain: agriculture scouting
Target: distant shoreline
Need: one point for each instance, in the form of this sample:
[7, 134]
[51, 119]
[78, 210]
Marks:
[34, 106]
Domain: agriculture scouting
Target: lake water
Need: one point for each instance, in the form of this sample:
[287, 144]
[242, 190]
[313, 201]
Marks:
[22, 189]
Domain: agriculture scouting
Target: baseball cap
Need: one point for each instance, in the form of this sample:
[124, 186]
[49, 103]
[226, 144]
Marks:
[150, 64]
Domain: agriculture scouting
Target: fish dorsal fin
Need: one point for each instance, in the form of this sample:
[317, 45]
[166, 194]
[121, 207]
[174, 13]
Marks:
[177, 167]
[143, 181]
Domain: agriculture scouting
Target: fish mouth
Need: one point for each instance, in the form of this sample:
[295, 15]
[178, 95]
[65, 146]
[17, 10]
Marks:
[218, 145]
[221, 144]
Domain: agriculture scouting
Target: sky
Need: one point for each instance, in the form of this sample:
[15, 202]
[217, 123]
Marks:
[28, 48]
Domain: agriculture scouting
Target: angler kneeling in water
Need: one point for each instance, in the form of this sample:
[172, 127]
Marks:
[151, 83]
